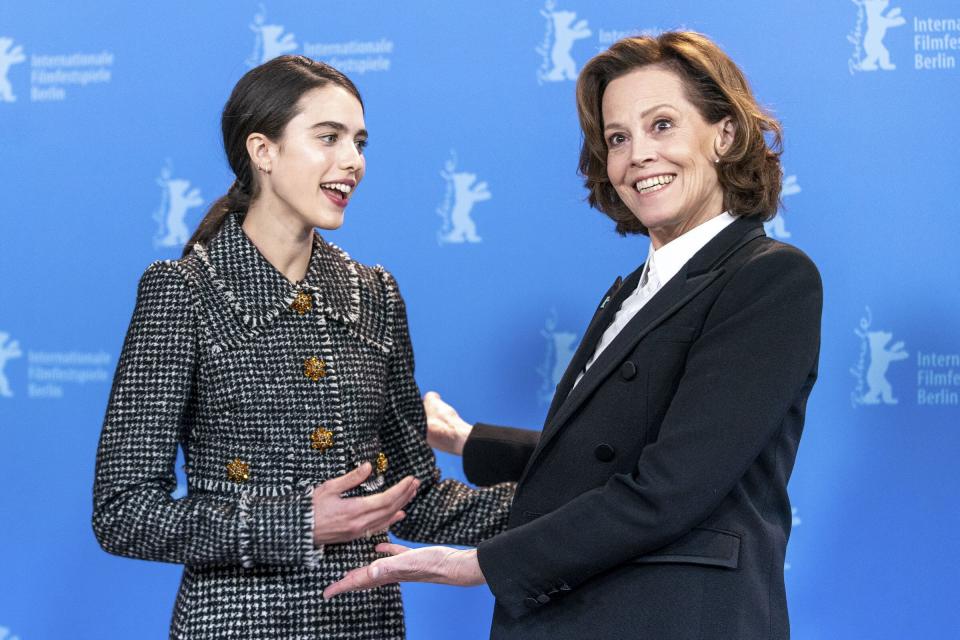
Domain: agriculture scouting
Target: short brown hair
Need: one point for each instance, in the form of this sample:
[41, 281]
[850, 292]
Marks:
[749, 173]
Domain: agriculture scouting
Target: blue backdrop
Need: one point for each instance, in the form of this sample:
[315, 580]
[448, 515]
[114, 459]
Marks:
[109, 126]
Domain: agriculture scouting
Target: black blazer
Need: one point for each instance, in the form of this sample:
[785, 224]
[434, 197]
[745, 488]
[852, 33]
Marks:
[654, 503]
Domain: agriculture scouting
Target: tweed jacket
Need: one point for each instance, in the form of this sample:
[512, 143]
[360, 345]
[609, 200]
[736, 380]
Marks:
[271, 388]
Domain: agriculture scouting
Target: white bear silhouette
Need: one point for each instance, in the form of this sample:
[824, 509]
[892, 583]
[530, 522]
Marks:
[7, 352]
[880, 359]
[271, 41]
[9, 56]
[561, 346]
[465, 195]
[777, 227]
[877, 25]
[178, 201]
[565, 33]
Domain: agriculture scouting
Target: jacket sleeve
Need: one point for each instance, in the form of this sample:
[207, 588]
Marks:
[444, 511]
[495, 454]
[757, 351]
[133, 512]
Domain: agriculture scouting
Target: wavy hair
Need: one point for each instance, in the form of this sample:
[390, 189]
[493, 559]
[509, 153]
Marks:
[749, 173]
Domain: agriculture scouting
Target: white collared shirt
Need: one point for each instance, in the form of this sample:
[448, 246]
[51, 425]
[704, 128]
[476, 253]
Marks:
[661, 265]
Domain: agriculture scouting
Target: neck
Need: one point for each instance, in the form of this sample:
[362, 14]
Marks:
[662, 235]
[284, 241]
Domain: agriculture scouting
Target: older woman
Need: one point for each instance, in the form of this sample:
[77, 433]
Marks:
[654, 503]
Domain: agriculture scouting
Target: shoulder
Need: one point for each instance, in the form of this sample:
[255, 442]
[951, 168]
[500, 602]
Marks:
[767, 259]
[163, 278]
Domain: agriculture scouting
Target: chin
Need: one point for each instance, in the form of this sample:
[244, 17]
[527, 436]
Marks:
[327, 221]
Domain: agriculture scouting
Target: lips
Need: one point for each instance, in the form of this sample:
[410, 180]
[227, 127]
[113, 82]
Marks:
[338, 192]
[652, 184]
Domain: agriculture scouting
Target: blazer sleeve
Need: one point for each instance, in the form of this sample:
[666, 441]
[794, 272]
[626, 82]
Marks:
[133, 512]
[444, 511]
[757, 351]
[495, 454]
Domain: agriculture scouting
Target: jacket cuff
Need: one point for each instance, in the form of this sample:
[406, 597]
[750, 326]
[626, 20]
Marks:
[493, 454]
[278, 531]
[515, 595]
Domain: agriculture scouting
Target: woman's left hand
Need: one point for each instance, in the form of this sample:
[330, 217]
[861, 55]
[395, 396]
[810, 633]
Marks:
[442, 565]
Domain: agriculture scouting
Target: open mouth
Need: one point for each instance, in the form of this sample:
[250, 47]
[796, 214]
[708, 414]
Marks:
[338, 192]
[654, 183]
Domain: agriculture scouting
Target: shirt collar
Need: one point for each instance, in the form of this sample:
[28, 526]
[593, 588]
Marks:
[670, 258]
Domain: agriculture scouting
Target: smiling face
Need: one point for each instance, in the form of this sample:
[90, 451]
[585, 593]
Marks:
[314, 169]
[661, 152]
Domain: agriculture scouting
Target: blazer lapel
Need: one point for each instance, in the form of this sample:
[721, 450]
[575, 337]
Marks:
[702, 269]
[601, 320]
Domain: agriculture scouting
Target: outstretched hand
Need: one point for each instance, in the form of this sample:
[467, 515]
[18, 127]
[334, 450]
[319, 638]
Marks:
[441, 565]
[446, 430]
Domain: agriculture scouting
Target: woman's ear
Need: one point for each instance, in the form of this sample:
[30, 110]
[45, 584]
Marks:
[725, 136]
[260, 150]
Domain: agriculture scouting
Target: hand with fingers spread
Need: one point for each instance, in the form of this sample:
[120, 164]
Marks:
[446, 430]
[339, 519]
[441, 565]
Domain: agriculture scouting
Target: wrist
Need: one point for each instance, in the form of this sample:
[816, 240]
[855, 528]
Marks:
[463, 430]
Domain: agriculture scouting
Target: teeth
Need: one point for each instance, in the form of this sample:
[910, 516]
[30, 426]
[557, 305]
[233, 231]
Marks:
[338, 186]
[653, 184]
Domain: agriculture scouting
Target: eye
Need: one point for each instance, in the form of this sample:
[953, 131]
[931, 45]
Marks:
[361, 144]
[328, 138]
[616, 140]
[662, 124]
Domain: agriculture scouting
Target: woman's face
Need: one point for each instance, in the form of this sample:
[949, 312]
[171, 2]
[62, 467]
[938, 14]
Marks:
[661, 152]
[317, 164]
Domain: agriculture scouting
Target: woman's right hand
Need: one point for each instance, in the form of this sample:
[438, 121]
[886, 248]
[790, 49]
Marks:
[337, 519]
[446, 430]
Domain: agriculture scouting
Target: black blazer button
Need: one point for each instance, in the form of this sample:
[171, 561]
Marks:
[628, 371]
[543, 598]
[604, 452]
[531, 603]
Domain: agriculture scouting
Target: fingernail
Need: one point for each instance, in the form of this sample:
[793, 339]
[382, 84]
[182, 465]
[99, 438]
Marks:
[374, 572]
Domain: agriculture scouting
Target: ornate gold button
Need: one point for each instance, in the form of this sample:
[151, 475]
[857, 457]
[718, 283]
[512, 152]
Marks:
[238, 470]
[314, 368]
[321, 439]
[381, 463]
[302, 303]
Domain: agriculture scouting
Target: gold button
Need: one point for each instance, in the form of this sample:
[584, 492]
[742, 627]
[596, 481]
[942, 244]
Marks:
[303, 303]
[238, 470]
[381, 463]
[321, 439]
[314, 368]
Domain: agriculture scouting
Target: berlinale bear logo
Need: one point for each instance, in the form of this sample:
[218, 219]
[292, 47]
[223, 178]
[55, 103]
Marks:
[8, 351]
[270, 40]
[176, 199]
[872, 384]
[562, 32]
[9, 56]
[462, 193]
[869, 52]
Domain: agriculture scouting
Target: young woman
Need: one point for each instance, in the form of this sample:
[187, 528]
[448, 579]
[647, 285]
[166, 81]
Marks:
[284, 370]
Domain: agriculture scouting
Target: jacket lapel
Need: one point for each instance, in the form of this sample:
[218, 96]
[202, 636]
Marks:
[601, 320]
[702, 269]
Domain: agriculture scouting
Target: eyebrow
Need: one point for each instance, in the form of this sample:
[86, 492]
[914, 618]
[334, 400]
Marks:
[617, 125]
[338, 126]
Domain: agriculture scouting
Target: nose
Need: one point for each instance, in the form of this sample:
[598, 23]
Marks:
[643, 151]
[350, 158]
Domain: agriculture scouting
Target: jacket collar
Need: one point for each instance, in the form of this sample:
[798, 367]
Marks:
[258, 292]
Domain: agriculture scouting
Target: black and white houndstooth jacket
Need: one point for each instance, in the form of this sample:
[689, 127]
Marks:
[271, 388]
